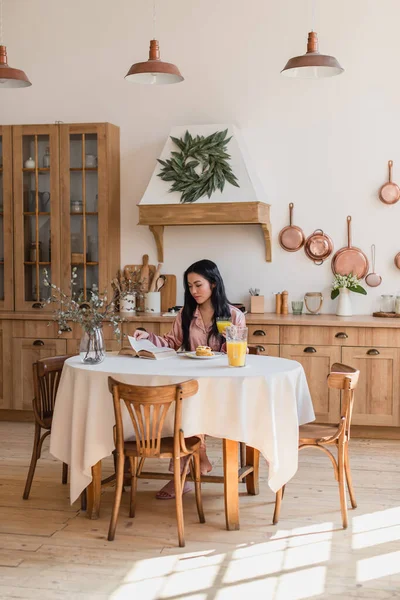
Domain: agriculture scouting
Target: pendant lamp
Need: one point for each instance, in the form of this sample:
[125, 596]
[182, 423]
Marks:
[312, 65]
[154, 71]
[9, 77]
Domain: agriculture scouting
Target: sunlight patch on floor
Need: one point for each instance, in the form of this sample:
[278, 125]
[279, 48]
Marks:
[376, 520]
[376, 537]
[379, 566]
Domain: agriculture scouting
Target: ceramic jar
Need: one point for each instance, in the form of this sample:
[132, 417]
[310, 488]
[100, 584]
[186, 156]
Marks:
[344, 308]
[30, 163]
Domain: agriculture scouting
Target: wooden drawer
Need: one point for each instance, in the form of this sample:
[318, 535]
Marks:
[267, 349]
[339, 336]
[263, 334]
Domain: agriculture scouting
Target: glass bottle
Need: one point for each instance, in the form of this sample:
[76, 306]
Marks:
[46, 158]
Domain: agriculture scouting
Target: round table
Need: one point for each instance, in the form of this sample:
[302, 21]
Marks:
[261, 404]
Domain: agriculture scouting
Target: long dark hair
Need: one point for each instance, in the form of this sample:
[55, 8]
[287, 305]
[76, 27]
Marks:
[208, 270]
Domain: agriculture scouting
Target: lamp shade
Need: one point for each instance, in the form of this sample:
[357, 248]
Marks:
[312, 65]
[154, 71]
[9, 77]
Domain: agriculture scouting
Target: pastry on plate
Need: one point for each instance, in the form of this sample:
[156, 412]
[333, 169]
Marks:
[204, 351]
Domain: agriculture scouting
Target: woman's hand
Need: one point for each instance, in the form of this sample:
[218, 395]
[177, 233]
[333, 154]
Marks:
[140, 334]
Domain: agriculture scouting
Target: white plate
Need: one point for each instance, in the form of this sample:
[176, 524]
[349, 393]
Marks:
[194, 355]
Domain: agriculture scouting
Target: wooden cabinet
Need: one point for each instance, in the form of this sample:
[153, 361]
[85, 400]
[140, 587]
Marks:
[377, 399]
[317, 362]
[36, 213]
[6, 220]
[89, 176]
[25, 353]
[64, 181]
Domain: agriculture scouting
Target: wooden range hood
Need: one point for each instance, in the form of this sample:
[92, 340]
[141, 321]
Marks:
[157, 216]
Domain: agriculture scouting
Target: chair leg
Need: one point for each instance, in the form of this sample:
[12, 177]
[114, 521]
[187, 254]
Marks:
[117, 496]
[34, 459]
[342, 483]
[242, 454]
[133, 465]
[65, 473]
[348, 476]
[84, 501]
[178, 502]
[278, 502]
[197, 486]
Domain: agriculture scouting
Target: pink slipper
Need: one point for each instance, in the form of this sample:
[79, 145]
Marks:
[170, 495]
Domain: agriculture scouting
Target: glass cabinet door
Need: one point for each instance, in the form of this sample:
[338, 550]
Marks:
[36, 217]
[6, 250]
[87, 220]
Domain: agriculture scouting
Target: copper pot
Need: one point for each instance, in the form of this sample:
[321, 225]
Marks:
[318, 246]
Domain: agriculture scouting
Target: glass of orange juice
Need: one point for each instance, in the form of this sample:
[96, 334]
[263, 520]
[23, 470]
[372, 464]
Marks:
[223, 323]
[236, 345]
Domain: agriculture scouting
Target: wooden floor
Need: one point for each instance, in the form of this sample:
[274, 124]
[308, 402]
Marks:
[50, 551]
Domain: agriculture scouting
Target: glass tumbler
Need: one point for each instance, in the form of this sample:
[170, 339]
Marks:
[387, 303]
[236, 345]
[297, 307]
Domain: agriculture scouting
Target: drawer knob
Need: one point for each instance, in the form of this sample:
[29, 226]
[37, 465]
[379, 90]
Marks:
[341, 335]
[373, 352]
[38, 343]
[37, 305]
[260, 348]
[259, 332]
[309, 349]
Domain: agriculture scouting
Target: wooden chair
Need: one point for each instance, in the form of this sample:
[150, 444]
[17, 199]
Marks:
[46, 377]
[342, 378]
[147, 408]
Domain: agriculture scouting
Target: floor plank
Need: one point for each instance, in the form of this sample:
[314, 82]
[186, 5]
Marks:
[49, 550]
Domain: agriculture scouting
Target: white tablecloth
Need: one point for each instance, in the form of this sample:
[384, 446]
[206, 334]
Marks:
[261, 404]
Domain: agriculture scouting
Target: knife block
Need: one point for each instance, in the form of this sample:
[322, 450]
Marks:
[257, 304]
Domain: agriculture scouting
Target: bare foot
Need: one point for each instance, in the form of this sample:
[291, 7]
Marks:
[205, 465]
[168, 491]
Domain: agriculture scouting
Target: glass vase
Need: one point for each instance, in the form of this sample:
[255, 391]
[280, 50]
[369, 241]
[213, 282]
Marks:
[343, 308]
[92, 349]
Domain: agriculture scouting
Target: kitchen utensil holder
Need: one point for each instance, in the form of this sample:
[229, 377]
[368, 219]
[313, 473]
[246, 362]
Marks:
[257, 304]
[153, 302]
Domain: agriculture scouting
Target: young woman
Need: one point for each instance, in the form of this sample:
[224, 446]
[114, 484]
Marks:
[196, 325]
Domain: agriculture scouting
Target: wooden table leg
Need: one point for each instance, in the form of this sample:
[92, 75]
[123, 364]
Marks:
[252, 459]
[94, 493]
[231, 484]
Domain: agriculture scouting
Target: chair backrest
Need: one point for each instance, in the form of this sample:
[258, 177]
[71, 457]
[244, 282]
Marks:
[46, 378]
[147, 407]
[345, 378]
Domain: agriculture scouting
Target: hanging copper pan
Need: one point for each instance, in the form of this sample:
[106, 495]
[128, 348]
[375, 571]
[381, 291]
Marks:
[389, 192]
[350, 260]
[318, 246]
[291, 238]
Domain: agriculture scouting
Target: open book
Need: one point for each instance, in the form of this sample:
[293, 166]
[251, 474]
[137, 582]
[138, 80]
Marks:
[145, 349]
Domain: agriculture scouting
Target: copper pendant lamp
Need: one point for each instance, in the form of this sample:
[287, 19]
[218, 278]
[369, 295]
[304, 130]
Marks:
[312, 65]
[154, 71]
[9, 77]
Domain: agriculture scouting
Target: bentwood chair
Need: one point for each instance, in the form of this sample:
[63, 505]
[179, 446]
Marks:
[46, 377]
[147, 408]
[344, 378]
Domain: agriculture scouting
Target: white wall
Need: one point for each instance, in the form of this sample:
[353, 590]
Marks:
[322, 144]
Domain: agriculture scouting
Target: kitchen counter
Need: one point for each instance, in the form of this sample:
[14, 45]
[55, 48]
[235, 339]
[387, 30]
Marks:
[264, 318]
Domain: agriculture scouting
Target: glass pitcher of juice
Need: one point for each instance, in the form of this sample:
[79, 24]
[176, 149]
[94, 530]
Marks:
[236, 345]
[223, 323]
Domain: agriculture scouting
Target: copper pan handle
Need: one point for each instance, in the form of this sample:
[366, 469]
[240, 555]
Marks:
[390, 165]
[291, 205]
[349, 231]
[318, 262]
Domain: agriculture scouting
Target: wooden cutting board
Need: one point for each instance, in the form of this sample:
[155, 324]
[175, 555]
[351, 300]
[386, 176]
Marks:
[168, 291]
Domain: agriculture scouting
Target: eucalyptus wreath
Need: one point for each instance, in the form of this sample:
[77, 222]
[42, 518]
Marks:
[209, 153]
